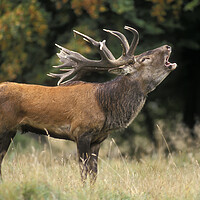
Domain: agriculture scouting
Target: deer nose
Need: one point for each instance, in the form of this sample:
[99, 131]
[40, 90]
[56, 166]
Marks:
[168, 47]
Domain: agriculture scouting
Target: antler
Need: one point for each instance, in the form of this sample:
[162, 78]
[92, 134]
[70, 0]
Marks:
[75, 63]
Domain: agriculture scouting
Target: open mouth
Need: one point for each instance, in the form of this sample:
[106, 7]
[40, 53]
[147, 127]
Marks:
[169, 65]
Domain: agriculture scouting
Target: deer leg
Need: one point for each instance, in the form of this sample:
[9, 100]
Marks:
[5, 140]
[93, 162]
[84, 151]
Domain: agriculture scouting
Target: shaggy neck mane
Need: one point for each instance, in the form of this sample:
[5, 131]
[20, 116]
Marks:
[120, 99]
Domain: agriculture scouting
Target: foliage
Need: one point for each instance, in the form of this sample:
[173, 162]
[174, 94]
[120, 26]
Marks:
[161, 8]
[23, 29]
[92, 7]
[190, 6]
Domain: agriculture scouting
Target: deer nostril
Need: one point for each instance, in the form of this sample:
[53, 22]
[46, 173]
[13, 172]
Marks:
[168, 47]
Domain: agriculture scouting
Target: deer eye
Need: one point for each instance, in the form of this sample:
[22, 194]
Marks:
[143, 59]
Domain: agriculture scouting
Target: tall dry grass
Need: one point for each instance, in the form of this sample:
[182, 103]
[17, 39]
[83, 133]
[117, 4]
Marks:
[51, 172]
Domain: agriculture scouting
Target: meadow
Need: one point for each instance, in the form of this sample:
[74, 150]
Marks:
[50, 171]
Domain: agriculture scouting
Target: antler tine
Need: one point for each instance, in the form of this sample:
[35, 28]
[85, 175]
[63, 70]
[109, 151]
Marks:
[62, 76]
[134, 42]
[63, 65]
[63, 49]
[76, 76]
[100, 45]
[69, 58]
[60, 47]
[106, 51]
[87, 38]
[122, 38]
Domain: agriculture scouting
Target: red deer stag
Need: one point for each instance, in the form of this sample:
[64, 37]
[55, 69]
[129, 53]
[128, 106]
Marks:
[80, 111]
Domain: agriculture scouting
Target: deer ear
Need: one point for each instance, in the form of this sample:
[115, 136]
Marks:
[124, 70]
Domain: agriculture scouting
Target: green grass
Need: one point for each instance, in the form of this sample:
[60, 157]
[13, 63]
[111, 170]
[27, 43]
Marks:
[50, 172]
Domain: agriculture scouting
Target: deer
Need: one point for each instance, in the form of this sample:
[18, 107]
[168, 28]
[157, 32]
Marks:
[84, 112]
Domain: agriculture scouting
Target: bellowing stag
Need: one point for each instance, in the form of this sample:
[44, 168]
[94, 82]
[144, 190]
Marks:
[80, 111]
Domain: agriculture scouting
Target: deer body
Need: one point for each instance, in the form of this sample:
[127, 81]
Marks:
[81, 107]
[84, 112]
[78, 112]
[56, 109]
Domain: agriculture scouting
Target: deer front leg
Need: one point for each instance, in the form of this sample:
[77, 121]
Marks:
[5, 140]
[84, 152]
[93, 163]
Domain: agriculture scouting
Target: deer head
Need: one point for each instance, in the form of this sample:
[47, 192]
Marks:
[150, 67]
[153, 66]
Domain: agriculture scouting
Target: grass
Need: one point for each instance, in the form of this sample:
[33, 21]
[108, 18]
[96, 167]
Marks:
[46, 172]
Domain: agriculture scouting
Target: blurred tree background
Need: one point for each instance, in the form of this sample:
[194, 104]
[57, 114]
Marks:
[30, 28]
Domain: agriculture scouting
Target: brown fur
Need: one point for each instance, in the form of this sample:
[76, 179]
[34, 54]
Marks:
[51, 107]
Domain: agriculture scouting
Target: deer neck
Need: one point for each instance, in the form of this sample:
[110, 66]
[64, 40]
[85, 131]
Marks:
[121, 100]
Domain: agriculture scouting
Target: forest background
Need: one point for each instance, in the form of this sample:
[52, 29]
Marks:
[30, 28]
